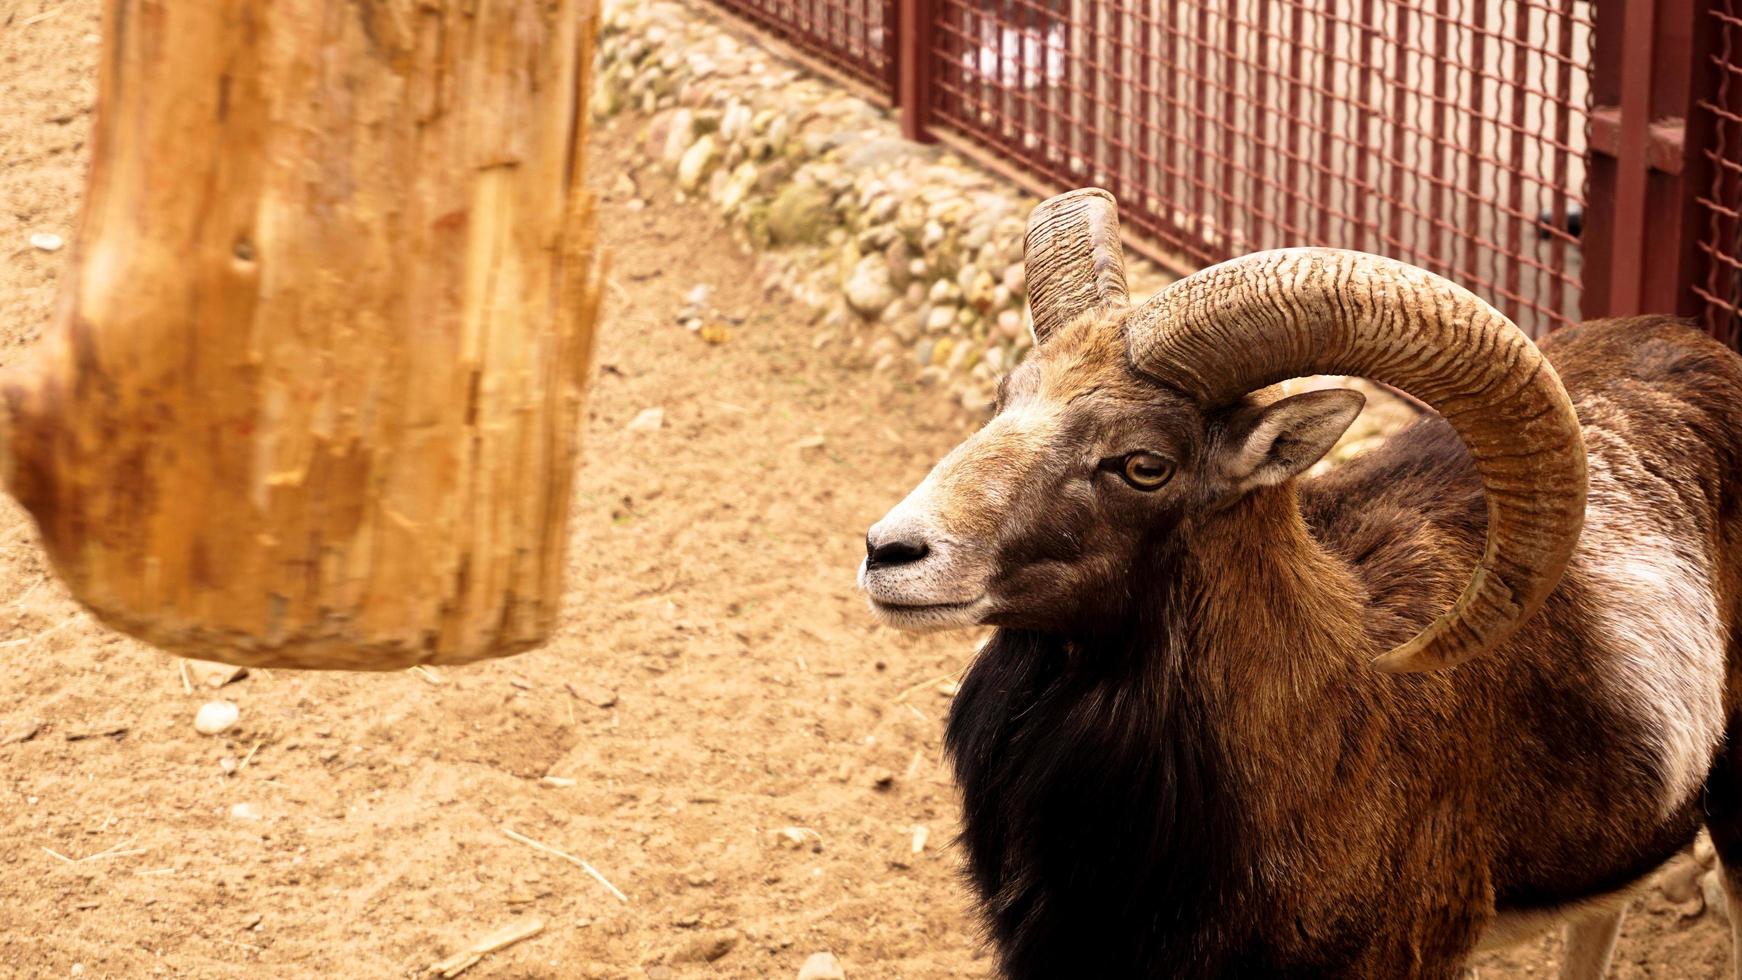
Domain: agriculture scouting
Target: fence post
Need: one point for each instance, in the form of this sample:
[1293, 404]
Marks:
[1640, 241]
[914, 68]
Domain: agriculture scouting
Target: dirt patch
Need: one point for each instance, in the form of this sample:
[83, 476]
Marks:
[734, 745]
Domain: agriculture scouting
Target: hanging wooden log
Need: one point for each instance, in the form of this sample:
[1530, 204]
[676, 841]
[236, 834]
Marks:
[311, 395]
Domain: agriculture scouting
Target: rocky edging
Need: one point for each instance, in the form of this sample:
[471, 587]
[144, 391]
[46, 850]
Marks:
[907, 252]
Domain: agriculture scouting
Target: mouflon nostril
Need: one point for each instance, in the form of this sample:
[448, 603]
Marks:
[894, 551]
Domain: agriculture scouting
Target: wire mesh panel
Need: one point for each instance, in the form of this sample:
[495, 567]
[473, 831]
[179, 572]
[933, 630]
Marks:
[853, 36]
[1447, 133]
[1719, 282]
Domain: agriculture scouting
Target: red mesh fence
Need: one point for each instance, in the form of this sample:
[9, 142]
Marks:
[1718, 281]
[1447, 133]
[856, 37]
[1453, 134]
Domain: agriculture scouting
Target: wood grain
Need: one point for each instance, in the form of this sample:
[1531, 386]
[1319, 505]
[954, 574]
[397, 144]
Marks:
[311, 395]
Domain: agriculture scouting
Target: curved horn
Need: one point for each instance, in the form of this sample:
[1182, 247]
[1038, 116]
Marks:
[1072, 259]
[1270, 316]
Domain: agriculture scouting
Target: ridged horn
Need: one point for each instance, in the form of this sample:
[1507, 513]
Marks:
[1269, 316]
[1072, 259]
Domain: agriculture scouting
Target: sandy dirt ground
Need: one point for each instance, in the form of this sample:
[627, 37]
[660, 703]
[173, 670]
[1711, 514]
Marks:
[735, 747]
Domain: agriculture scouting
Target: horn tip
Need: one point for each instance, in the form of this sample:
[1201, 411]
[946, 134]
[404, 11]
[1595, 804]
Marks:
[1068, 198]
[1095, 204]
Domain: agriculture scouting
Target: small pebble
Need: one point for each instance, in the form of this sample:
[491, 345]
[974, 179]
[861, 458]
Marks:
[822, 966]
[598, 697]
[20, 731]
[1712, 890]
[707, 947]
[47, 241]
[800, 838]
[216, 717]
[209, 674]
[647, 420]
[245, 811]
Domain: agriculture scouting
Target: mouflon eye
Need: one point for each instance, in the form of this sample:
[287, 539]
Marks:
[1146, 471]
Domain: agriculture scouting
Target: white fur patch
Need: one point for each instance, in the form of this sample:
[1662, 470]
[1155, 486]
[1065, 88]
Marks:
[1657, 615]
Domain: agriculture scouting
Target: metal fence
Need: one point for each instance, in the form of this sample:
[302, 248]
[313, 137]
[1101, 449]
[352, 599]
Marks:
[1718, 280]
[1564, 158]
[852, 37]
[1444, 138]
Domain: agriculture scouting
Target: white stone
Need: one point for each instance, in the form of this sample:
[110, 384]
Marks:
[46, 241]
[822, 966]
[941, 319]
[681, 134]
[696, 161]
[216, 717]
[647, 420]
[738, 187]
[735, 124]
[965, 277]
[868, 289]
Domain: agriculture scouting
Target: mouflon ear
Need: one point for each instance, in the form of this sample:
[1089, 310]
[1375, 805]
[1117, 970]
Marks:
[1277, 442]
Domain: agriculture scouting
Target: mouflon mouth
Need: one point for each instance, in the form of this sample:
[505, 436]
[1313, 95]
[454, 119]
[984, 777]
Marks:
[927, 617]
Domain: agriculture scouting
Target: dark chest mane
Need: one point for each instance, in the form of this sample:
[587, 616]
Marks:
[1100, 819]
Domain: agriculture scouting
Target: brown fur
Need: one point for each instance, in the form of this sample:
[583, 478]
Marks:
[1384, 821]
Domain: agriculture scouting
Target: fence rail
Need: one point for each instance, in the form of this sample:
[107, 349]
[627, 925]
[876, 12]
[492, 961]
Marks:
[1718, 276]
[1564, 158]
[853, 37]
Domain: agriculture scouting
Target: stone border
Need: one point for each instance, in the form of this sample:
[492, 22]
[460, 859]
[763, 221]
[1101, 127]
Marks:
[904, 249]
